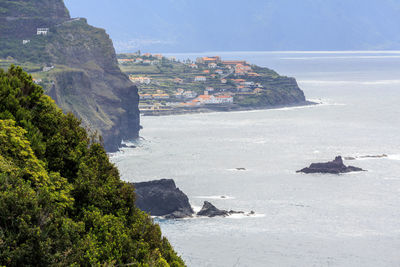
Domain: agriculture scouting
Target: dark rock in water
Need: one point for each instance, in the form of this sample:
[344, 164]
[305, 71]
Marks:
[162, 198]
[350, 158]
[241, 169]
[235, 212]
[210, 210]
[335, 167]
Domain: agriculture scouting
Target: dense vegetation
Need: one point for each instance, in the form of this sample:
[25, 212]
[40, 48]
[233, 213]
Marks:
[61, 200]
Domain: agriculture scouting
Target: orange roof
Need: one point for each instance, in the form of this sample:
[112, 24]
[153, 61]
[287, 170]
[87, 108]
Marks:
[224, 96]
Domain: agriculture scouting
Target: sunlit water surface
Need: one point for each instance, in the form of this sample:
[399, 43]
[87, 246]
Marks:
[301, 220]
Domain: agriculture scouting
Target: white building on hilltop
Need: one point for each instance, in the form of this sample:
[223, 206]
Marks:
[42, 31]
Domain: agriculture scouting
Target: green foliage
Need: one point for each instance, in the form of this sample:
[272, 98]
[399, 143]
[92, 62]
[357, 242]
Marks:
[61, 200]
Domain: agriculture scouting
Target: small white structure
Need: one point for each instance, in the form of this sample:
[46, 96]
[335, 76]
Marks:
[24, 42]
[42, 31]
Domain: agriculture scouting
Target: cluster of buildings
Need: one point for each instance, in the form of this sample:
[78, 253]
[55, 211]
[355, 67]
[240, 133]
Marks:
[207, 99]
[232, 72]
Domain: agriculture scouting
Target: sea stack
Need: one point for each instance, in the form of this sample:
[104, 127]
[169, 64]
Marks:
[334, 167]
[162, 198]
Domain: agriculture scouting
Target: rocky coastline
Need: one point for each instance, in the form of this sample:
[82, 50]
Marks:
[161, 198]
[226, 108]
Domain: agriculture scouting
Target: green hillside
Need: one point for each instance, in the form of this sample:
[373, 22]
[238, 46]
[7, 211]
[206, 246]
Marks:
[61, 200]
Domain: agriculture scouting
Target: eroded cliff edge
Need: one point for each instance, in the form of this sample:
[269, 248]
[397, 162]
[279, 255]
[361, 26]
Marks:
[75, 63]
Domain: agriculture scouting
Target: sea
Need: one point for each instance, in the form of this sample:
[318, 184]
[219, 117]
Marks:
[300, 220]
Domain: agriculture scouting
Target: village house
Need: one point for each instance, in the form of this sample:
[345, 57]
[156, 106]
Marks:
[210, 89]
[208, 60]
[212, 65]
[220, 72]
[224, 99]
[158, 56]
[24, 42]
[194, 66]
[200, 79]
[242, 67]
[139, 60]
[210, 99]
[224, 81]
[42, 31]
[146, 61]
[206, 71]
[147, 55]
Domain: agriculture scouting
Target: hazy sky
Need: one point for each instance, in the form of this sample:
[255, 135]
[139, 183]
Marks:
[227, 25]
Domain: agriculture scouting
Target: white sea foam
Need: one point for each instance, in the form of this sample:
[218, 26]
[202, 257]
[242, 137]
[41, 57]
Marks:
[394, 157]
[215, 197]
[237, 170]
[348, 82]
[340, 57]
[245, 215]
[196, 209]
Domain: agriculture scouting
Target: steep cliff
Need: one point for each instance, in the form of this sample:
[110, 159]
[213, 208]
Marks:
[86, 79]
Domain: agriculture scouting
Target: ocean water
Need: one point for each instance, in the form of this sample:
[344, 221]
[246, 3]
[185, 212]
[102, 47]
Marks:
[301, 220]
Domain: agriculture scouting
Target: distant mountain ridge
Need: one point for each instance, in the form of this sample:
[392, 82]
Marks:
[75, 63]
[257, 25]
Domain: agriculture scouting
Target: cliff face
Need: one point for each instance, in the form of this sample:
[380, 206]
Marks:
[86, 79]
